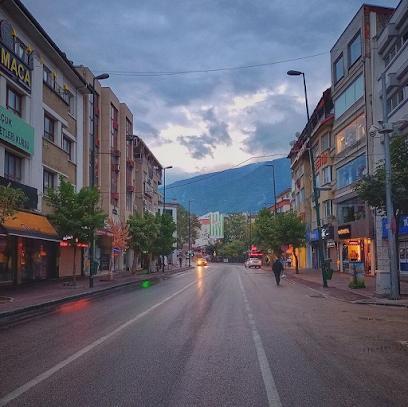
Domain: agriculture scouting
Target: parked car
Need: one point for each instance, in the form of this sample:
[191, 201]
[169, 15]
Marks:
[254, 262]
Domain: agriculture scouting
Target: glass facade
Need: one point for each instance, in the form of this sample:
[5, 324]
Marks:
[354, 92]
[351, 172]
[351, 134]
[350, 210]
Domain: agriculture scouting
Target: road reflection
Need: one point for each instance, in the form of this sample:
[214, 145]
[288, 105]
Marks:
[72, 307]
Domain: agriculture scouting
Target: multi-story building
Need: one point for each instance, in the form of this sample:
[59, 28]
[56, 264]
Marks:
[321, 143]
[391, 64]
[352, 93]
[40, 140]
[283, 202]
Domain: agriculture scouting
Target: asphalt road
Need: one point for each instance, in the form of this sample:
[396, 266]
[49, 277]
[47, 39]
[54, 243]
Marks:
[215, 336]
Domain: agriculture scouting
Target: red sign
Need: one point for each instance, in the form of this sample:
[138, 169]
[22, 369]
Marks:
[321, 160]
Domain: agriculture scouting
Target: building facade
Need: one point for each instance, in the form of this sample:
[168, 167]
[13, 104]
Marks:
[283, 202]
[391, 65]
[41, 140]
[352, 93]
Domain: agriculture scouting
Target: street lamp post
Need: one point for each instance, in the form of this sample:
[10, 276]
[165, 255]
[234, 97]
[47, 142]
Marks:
[93, 176]
[274, 186]
[315, 189]
[164, 202]
[189, 233]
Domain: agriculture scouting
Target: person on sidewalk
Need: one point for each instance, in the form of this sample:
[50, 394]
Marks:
[277, 269]
[180, 259]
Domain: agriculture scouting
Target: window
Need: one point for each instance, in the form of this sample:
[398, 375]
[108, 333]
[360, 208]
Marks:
[325, 142]
[393, 51]
[114, 127]
[351, 172]
[395, 100]
[354, 49]
[338, 69]
[354, 92]
[20, 49]
[48, 180]
[13, 167]
[350, 210]
[327, 174]
[351, 134]
[48, 77]
[129, 200]
[49, 128]
[67, 146]
[71, 102]
[14, 100]
[315, 150]
[327, 208]
[302, 195]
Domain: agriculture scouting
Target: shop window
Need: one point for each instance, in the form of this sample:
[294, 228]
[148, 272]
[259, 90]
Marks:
[353, 93]
[354, 49]
[49, 180]
[327, 208]
[351, 134]
[48, 77]
[351, 172]
[13, 165]
[49, 128]
[14, 101]
[325, 142]
[338, 68]
[350, 210]
[327, 174]
[67, 146]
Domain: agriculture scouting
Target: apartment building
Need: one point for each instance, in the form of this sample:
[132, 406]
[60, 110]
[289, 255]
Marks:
[41, 139]
[352, 93]
[283, 202]
[391, 65]
[320, 140]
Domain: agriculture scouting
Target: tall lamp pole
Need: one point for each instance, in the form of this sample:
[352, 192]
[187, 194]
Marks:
[189, 233]
[274, 185]
[92, 270]
[164, 203]
[315, 189]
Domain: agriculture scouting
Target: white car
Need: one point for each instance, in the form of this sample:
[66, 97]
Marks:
[255, 262]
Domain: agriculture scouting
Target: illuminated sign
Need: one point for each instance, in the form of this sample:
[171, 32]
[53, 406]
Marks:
[13, 66]
[344, 232]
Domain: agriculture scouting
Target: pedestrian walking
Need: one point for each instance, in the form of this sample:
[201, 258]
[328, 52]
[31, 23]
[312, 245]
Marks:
[277, 269]
[180, 258]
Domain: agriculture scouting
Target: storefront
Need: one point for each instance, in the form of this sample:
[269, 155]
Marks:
[355, 252]
[28, 249]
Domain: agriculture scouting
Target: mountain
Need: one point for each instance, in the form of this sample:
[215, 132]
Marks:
[244, 189]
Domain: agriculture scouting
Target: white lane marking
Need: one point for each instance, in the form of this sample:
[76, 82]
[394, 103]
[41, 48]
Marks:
[269, 382]
[48, 373]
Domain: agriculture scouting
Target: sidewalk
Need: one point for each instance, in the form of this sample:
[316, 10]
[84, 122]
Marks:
[339, 289]
[31, 296]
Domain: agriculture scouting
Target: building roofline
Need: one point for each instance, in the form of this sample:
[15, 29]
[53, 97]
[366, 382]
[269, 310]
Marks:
[41, 30]
[150, 151]
[363, 6]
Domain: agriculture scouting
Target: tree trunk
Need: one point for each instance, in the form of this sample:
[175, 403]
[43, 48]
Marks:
[135, 262]
[74, 266]
[149, 263]
[296, 260]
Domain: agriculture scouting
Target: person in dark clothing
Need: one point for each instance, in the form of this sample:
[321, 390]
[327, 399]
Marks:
[277, 269]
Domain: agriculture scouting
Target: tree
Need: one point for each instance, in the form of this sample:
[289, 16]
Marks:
[182, 226]
[143, 232]
[165, 239]
[11, 199]
[120, 237]
[236, 228]
[76, 215]
[263, 234]
[234, 248]
[371, 188]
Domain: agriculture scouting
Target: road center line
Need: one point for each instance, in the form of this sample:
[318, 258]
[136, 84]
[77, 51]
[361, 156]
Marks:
[48, 373]
[269, 382]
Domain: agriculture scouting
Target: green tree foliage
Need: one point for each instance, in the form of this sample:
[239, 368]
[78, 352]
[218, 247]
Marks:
[144, 231]
[76, 215]
[182, 227]
[11, 200]
[165, 240]
[371, 188]
[274, 231]
[234, 248]
[236, 228]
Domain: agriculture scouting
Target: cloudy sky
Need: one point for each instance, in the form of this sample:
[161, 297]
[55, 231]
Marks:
[204, 121]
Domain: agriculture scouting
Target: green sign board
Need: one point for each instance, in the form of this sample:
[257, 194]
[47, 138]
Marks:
[16, 131]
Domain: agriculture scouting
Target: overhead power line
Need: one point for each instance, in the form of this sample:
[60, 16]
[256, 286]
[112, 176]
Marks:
[211, 70]
[193, 181]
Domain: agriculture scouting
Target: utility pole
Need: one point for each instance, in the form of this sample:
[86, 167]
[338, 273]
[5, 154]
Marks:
[250, 233]
[274, 186]
[164, 204]
[189, 233]
[392, 247]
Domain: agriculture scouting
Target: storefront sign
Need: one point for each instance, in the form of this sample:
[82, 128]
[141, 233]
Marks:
[327, 232]
[14, 67]
[321, 160]
[314, 235]
[344, 232]
[403, 226]
[16, 131]
[331, 244]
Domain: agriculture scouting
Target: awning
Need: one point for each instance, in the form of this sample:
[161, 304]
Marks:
[30, 225]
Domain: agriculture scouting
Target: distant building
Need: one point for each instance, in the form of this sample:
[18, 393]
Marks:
[212, 228]
[283, 202]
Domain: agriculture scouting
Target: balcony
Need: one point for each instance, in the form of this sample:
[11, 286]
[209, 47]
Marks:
[31, 193]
